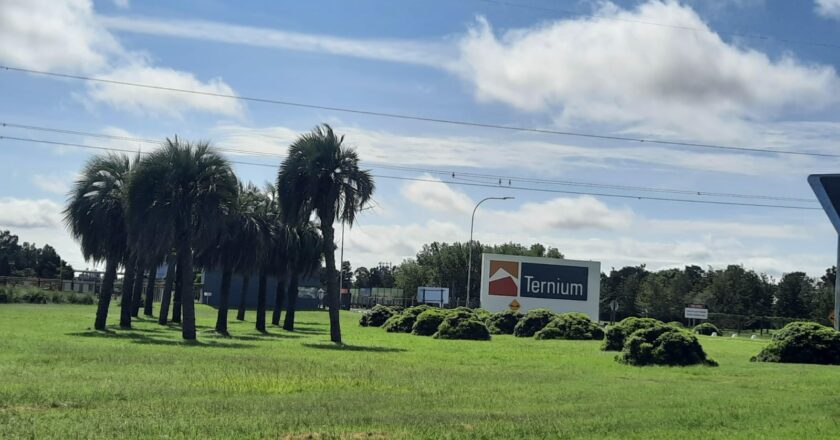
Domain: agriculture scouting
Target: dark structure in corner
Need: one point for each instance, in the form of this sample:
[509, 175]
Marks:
[310, 291]
[827, 189]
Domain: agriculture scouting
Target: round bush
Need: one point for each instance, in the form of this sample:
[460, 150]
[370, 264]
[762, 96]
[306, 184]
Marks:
[571, 326]
[615, 335]
[376, 316]
[404, 322]
[676, 324]
[533, 321]
[462, 325]
[427, 323]
[482, 314]
[706, 329]
[803, 343]
[502, 323]
[663, 345]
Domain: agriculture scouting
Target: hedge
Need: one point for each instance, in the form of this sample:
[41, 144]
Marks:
[615, 335]
[533, 321]
[707, 328]
[571, 326]
[427, 323]
[462, 325]
[376, 316]
[663, 345]
[404, 322]
[34, 295]
[803, 343]
[502, 323]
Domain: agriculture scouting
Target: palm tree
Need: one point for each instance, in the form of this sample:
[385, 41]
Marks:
[273, 242]
[166, 297]
[304, 258]
[320, 175]
[95, 215]
[181, 194]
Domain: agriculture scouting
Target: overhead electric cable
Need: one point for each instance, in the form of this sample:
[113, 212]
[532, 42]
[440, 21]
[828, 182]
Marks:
[454, 174]
[423, 118]
[518, 188]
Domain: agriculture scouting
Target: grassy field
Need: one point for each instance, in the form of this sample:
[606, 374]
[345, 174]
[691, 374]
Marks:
[61, 380]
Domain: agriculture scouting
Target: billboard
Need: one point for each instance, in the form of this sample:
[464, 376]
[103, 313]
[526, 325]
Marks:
[526, 283]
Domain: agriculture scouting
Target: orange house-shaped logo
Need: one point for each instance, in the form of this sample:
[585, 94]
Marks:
[504, 278]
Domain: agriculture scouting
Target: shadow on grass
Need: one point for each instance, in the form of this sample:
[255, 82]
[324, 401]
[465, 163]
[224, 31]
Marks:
[309, 330]
[265, 336]
[346, 347]
[311, 323]
[139, 338]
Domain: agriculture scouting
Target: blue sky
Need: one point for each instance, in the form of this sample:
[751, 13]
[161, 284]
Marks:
[668, 70]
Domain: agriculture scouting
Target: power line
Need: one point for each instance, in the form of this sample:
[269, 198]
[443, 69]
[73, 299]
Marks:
[454, 175]
[423, 118]
[665, 25]
[517, 188]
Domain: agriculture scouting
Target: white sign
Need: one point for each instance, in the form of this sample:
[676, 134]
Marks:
[433, 295]
[532, 283]
[695, 313]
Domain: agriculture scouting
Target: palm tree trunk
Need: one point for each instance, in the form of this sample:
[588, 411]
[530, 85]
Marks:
[105, 292]
[137, 295]
[166, 298]
[279, 297]
[150, 291]
[186, 294]
[176, 306]
[261, 294]
[243, 295]
[332, 276]
[291, 303]
[221, 319]
[127, 289]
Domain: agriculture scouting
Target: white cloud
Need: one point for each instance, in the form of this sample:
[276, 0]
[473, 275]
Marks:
[161, 102]
[828, 8]
[606, 69]
[29, 213]
[562, 214]
[68, 36]
[122, 4]
[413, 52]
[52, 183]
[437, 196]
[728, 228]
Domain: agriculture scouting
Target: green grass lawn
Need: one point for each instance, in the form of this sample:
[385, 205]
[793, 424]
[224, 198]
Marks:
[61, 380]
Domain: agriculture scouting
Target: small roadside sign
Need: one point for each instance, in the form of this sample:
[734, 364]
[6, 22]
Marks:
[696, 311]
[514, 305]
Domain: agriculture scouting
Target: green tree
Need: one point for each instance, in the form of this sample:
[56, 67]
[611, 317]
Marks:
[410, 275]
[346, 275]
[96, 217]
[321, 175]
[823, 303]
[305, 245]
[794, 295]
[362, 277]
[181, 194]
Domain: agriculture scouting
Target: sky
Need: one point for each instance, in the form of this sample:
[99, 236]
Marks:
[759, 74]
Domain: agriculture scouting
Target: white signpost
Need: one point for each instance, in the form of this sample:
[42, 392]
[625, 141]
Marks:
[696, 311]
[525, 283]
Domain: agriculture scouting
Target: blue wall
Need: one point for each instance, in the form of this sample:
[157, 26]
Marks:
[308, 297]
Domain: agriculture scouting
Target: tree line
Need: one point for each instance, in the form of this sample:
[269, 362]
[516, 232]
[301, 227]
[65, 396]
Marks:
[28, 260]
[183, 206]
[637, 291]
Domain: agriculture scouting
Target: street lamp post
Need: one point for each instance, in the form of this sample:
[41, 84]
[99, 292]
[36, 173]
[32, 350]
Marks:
[470, 245]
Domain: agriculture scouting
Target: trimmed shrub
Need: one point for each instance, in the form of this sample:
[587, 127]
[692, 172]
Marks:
[663, 345]
[482, 314]
[706, 329]
[533, 321]
[376, 316]
[571, 326]
[404, 322]
[803, 343]
[502, 323]
[81, 298]
[35, 297]
[462, 325]
[427, 323]
[676, 324]
[615, 335]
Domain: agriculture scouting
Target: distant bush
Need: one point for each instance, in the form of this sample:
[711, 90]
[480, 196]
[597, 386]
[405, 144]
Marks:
[376, 316]
[462, 325]
[427, 323]
[615, 335]
[571, 326]
[663, 345]
[706, 329]
[482, 314]
[404, 322]
[35, 295]
[803, 343]
[676, 324]
[80, 298]
[533, 321]
[502, 323]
